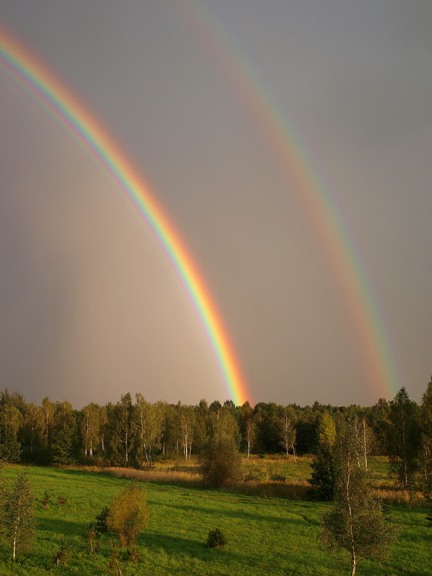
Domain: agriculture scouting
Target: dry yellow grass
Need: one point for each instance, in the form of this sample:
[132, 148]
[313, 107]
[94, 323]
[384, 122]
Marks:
[276, 476]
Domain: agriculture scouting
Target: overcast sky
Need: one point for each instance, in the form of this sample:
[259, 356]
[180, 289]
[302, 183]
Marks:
[193, 93]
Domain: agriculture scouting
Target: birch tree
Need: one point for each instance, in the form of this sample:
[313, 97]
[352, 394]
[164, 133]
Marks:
[90, 428]
[287, 432]
[187, 420]
[356, 523]
[148, 420]
[17, 515]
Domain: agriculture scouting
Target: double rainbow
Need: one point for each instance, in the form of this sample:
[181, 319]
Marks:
[29, 71]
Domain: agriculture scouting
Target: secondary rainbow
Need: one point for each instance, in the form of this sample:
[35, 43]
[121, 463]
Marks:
[313, 195]
[20, 62]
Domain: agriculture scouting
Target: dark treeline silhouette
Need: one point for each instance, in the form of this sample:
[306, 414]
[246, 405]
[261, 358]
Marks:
[134, 432]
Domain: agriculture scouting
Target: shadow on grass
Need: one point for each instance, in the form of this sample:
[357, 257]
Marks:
[238, 514]
[63, 527]
[187, 548]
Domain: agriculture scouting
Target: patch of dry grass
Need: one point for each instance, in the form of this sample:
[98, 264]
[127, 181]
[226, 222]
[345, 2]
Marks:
[268, 476]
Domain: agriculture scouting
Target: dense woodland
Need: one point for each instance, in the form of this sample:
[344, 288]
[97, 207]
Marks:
[134, 432]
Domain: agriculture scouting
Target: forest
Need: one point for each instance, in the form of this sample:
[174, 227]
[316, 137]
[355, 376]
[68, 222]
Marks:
[133, 432]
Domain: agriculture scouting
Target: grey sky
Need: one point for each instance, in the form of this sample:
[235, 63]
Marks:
[91, 308]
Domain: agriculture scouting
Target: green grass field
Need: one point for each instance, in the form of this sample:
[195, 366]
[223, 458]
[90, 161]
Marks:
[265, 536]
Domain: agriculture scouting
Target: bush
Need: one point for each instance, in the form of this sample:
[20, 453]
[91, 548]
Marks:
[216, 539]
[101, 524]
[324, 472]
[46, 500]
[63, 554]
[220, 462]
[128, 514]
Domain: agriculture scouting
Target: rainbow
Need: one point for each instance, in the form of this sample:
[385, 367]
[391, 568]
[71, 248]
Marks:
[18, 61]
[313, 195]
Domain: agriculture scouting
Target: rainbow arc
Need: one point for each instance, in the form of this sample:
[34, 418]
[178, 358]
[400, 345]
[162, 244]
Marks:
[23, 65]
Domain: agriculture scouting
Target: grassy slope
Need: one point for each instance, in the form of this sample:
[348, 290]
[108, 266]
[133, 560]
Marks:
[265, 535]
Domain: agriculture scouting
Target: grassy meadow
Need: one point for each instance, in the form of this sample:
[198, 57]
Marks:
[265, 534]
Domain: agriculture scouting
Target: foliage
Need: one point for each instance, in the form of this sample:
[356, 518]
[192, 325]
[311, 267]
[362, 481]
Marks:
[324, 472]
[426, 444]
[216, 539]
[287, 431]
[404, 439]
[101, 523]
[220, 463]
[17, 515]
[326, 431]
[324, 466]
[128, 514]
[136, 433]
[356, 523]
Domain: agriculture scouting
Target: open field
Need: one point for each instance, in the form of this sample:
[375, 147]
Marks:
[271, 536]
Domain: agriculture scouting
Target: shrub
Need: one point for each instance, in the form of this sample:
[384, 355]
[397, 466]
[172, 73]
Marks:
[46, 500]
[63, 554]
[128, 514]
[220, 462]
[101, 524]
[216, 539]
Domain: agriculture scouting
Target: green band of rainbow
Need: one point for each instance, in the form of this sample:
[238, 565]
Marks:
[28, 70]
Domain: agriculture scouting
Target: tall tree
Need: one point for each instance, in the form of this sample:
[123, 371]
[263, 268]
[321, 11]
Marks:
[10, 423]
[287, 431]
[187, 418]
[324, 465]
[90, 424]
[119, 431]
[356, 523]
[247, 427]
[32, 431]
[63, 433]
[404, 439]
[48, 417]
[147, 419]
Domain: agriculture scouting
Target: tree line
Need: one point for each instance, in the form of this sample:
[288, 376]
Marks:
[133, 431]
